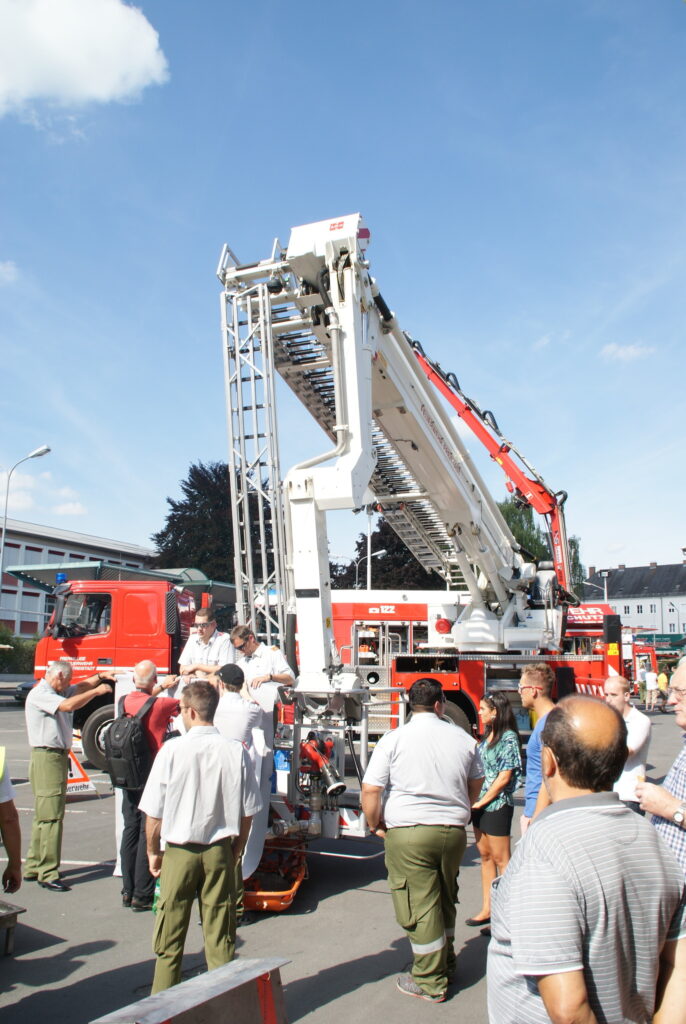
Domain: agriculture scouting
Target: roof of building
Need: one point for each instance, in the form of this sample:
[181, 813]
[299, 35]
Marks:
[639, 581]
[54, 534]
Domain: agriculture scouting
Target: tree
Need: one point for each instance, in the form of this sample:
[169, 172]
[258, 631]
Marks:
[198, 528]
[576, 570]
[398, 569]
[534, 539]
[520, 519]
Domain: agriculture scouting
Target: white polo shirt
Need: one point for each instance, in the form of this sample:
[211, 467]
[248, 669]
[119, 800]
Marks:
[45, 725]
[638, 728]
[201, 785]
[424, 766]
[217, 651]
[266, 661]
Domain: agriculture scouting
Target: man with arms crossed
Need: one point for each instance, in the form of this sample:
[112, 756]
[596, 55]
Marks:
[638, 728]
[49, 712]
[206, 649]
[432, 773]
[583, 933]
[199, 799]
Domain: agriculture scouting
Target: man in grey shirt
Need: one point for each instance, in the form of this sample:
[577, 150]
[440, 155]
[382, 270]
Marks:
[588, 920]
[49, 712]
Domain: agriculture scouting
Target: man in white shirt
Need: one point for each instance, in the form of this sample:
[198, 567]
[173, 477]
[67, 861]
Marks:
[199, 800]
[638, 728]
[205, 650]
[260, 664]
[238, 719]
[49, 712]
[265, 669]
[432, 773]
[651, 689]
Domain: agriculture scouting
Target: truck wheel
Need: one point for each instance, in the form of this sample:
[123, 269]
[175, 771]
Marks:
[93, 733]
[457, 716]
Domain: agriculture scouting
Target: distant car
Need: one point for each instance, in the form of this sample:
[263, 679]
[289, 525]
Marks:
[21, 691]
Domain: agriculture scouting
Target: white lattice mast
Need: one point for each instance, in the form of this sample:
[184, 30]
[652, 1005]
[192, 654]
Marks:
[254, 475]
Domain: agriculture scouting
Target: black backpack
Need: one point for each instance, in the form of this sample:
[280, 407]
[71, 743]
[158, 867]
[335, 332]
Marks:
[127, 751]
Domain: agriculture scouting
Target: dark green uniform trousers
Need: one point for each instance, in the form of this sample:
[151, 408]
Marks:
[423, 862]
[191, 870]
[48, 778]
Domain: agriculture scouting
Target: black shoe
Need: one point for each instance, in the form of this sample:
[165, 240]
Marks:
[56, 886]
[140, 905]
[475, 922]
[125, 898]
[30, 878]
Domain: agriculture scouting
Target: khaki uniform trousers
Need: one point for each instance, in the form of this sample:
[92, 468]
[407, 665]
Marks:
[48, 778]
[188, 871]
[422, 863]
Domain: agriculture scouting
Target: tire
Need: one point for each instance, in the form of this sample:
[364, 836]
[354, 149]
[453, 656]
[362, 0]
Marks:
[92, 735]
[457, 716]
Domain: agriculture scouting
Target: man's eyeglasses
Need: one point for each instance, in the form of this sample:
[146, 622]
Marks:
[239, 647]
[202, 625]
[676, 692]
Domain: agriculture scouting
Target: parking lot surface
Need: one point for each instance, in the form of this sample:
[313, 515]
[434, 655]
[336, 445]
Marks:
[80, 955]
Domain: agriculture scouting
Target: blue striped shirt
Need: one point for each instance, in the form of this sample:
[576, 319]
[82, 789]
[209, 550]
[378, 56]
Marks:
[674, 835]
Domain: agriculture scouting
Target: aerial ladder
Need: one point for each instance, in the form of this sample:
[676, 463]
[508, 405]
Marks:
[313, 314]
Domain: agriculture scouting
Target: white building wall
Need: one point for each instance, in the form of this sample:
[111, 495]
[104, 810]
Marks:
[25, 609]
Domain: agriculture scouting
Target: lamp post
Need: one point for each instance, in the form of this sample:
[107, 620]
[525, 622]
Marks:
[358, 562]
[604, 575]
[35, 454]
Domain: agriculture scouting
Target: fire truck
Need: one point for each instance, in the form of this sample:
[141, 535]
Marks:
[312, 314]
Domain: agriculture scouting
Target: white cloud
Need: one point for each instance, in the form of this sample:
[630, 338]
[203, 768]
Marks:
[69, 53]
[613, 353]
[70, 508]
[8, 272]
[542, 342]
[67, 493]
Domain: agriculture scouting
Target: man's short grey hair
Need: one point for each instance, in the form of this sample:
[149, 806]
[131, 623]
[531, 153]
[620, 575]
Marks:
[62, 666]
[145, 671]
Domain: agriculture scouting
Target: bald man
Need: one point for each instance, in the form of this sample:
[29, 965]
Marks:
[581, 930]
[138, 885]
[667, 803]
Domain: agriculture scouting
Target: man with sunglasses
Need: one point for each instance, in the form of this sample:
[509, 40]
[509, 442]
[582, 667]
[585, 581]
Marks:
[667, 803]
[535, 688]
[260, 664]
[206, 649]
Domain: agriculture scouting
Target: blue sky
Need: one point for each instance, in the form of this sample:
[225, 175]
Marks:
[521, 165]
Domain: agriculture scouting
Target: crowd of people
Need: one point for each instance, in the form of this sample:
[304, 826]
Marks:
[585, 919]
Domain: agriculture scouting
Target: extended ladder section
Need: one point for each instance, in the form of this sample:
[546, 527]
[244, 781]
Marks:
[314, 315]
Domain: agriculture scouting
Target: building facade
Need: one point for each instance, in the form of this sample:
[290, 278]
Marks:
[647, 597]
[24, 608]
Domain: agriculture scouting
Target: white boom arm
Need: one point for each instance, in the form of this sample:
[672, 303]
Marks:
[342, 352]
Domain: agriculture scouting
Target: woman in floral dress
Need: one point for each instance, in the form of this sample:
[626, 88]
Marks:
[492, 812]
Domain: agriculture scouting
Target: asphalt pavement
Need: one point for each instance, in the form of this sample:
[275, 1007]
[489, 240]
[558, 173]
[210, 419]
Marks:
[80, 955]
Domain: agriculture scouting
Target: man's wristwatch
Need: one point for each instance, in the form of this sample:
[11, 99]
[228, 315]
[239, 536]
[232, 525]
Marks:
[679, 816]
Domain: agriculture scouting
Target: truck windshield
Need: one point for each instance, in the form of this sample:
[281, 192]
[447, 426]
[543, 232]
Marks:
[85, 614]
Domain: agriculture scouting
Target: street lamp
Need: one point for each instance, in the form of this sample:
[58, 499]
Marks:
[358, 562]
[35, 454]
[603, 575]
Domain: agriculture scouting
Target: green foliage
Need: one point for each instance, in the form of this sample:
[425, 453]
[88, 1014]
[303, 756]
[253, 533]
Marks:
[198, 529]
[526, 531]
[576, 570]
[197, 532]
[19, 658]
[534, 539]
[397, 569]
